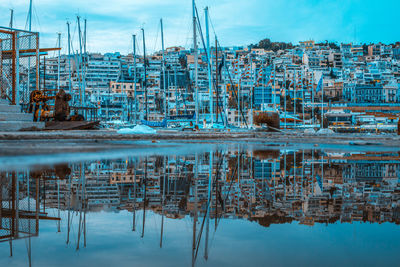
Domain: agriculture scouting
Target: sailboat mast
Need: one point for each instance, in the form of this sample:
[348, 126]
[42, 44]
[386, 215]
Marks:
[216, 77]
[195, 56]
[322, 106]
[82, 91]
[30, 16]
[84, 37]
[251, 91]
[294, 96]
[11, 17]
[145, 74]
[312, 95]
[69, 59]
[210, 87]
[29, 58]
[284, 84]
[274, 94]
[134, 76]
[58, 62]
[163, 70]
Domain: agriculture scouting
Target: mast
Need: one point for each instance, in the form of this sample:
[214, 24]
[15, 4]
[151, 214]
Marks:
[274, 94]
[134, 74]
[29, 22]
[251, 91]
[69, 59]
[210, 88]
[176, 92]
[195, 63]
[30, 16]
[264, 87]
[216, 76]
[145, 74]
[312, 95]
[294, 96]
[84, 60]
[82, 90]
[163, 70]
[58, 62]
[302, 93]
[84, 37]
[11, 17]
[322, 106]
[284, 84]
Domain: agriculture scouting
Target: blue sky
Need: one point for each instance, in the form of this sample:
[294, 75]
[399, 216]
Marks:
[112, 23]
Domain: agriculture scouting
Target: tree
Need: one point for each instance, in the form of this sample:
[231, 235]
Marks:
[274, 46]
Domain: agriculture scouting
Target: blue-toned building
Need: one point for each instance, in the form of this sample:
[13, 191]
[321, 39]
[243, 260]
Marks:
[396, 52]
[364, 93]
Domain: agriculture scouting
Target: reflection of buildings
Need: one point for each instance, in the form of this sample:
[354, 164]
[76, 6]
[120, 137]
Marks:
[266, 186]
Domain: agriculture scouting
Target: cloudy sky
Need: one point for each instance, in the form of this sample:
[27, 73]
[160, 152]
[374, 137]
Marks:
[111, 23]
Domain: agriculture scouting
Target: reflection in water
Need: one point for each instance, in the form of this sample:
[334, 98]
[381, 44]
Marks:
[264, 186]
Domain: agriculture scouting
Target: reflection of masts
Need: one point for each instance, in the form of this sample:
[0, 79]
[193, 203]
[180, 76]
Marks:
[162, 205]
[82, 206]
[312, 172]
[29, 221]
[58, 205]
[198, 240]
[284, 177]
[84, 226]
[144, 202]
[196, 174]
[69, 211]
[134, 201]
[208, 205]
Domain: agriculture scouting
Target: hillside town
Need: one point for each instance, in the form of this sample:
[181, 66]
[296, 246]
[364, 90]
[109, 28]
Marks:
[360, 84]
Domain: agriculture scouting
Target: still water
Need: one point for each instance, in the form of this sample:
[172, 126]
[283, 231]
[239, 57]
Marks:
[223, 205]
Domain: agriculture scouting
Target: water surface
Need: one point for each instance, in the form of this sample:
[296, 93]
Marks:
[204, 205]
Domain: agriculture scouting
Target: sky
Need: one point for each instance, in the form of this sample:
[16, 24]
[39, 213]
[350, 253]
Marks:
[111, 242]
[110, 24]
